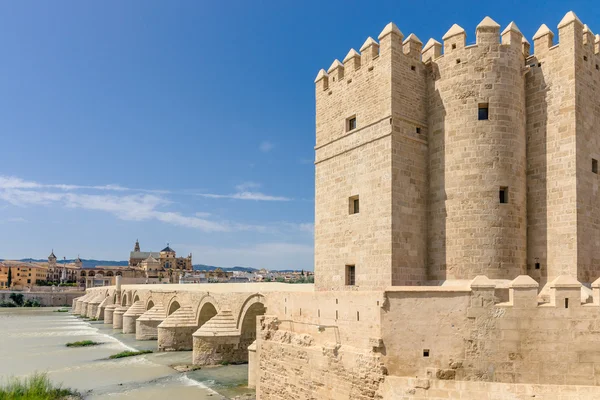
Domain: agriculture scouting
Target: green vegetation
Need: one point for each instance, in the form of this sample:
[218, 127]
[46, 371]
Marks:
[32, 303]
[9, 283]
[83, 343]
[34, 387]
[62, 310]
[17, 298]
[129, 354]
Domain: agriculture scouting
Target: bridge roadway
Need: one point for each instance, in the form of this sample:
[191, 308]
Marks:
[215, 320]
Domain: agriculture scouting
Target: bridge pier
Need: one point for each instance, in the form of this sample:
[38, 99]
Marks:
[131, 316]
[92, 308]
[100, 312]
[118, 317]
[146, 326]
[217, 341]
[109, 313]
[76, 304]
[175, 332]
[252, 365]
[84, 307]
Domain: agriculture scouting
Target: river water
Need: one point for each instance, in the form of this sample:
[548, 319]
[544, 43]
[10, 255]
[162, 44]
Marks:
[33, 339]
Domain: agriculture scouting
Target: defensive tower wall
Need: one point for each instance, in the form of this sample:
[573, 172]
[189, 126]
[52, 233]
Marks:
[368, 149]
[563, 113]
[477, 161]
[476, 149]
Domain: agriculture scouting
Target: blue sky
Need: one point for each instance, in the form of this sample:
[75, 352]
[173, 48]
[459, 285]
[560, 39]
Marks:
[186, 122]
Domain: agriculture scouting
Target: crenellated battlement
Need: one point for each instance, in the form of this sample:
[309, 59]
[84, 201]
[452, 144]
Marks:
[455, 39]
[524, 293]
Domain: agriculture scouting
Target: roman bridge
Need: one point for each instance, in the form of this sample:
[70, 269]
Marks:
[216, 321]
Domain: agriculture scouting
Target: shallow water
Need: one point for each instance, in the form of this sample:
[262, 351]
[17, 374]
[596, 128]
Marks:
[34, 340]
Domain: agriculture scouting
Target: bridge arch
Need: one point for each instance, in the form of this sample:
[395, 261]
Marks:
[124, 299]
[174, 305]
[136, 297]
[149, 303]
[206, 310]
[246, 322]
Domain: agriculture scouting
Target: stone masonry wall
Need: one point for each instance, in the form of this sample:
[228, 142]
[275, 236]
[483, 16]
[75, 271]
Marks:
[587, 65]
[467, 336]
[551, 175]
[46, 299]
[406, 388]
[410, 184]
[297, 366]
[470, 232]
[347, 318]
[354, 163]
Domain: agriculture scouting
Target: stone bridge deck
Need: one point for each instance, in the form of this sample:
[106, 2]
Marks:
[216, 321]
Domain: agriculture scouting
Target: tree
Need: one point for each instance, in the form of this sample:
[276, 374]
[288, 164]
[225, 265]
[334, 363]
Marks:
[17, 298]
[9, 277]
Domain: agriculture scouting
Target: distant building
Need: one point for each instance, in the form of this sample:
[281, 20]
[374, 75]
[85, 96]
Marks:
[23, 274]
[167, 257]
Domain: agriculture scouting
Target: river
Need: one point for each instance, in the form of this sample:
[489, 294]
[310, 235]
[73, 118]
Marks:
[33, 339]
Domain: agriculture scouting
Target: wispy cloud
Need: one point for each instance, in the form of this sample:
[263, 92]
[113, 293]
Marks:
[266, 146]
[244, 191]
[136, 207]
[11, 182]
[140, 206]
[15, 220]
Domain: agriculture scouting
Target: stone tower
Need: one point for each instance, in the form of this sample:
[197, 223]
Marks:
[137, 246]
[449, 161]
[371, 166]
[52, 260]
[476, 155]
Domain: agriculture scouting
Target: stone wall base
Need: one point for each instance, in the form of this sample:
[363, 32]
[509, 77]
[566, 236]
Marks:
[294, 366]
[217, 350]
[146, 330]
[100, 313]
[129, 323]
[395, 387]
[118, 320]
[108, 315]
[175, 339]
[92, 310]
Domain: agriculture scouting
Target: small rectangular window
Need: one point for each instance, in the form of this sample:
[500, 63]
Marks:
[483, 112]
[351, 123]
[537, 265]
[418, 130]
[354, 205]
[350, 275]
[425, 352]
[594, 166]
[503, 195]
